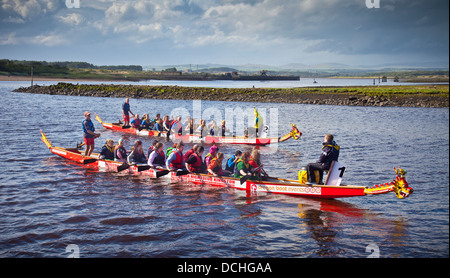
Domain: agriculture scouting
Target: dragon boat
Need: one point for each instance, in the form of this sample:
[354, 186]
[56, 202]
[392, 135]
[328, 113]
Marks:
[196, 138]
[272, 185]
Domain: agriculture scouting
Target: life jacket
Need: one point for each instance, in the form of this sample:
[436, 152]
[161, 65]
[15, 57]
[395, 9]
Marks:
[218, 165]
[107, 152]
[236, 171]
[230, 164]
[177, 163]
[334, 151]
[208, 158]
[136, 123]
[197, 166]
[91, 128]
[159, 159]
[253, 163]
[122, 151]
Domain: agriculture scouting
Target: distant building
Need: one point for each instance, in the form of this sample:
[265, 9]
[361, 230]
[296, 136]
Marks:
[384, 79]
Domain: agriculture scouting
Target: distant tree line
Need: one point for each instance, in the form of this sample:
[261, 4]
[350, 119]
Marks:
[15, 67]
[24, 68]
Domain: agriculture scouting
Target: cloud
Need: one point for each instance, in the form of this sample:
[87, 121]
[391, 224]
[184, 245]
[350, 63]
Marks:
[71, 19]
[29, 8]
[241, 28]
[49, 40]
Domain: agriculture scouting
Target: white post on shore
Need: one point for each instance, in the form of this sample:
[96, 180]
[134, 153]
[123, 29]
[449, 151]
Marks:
[31, 75]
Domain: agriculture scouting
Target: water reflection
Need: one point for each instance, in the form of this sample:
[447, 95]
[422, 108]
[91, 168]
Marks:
[330, 222]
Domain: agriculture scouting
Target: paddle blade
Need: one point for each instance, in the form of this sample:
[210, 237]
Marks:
[143, 168]
[89, 160]
[244, 178]
[122, 167]
[182, 173]
[162, 173]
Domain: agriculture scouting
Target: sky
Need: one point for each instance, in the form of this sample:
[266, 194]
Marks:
[230, 32]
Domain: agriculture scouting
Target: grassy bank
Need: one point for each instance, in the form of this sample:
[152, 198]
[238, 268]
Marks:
[407, 96]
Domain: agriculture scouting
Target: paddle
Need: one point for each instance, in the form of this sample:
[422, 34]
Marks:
[246, 177]
[162, 173]
[122, 167]
[182, 172]
[143, 167]
[89, 160]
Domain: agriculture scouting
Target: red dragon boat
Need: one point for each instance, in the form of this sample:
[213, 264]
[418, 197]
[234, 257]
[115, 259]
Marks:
[194, 138]
[272, 185]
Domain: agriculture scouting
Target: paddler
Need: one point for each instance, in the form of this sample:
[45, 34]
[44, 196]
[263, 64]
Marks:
[215, 167]
[137, 155]
[107, 151]
[88, 133]
[175, 160]
[194, 163]
[255, 162]
[211, 155]
[157, 157]
[330, 153]
[136, 122]
[125, 112]
[120, 153]
[243, 167]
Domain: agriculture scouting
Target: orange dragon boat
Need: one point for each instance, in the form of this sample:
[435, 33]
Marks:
[272, 185]
[195, 138]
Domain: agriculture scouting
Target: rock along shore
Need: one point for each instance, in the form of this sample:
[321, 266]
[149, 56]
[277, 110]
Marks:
[403, 96]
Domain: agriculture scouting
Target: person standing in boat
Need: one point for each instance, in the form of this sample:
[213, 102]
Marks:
[88, 133]
[120, 153]
[175, 160]
[126, 111]
[330, 153]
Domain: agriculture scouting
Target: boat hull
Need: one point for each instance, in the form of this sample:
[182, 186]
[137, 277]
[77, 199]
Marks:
[236, 140]
[273, 185]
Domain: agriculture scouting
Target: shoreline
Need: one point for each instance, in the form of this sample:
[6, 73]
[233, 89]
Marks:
[436, 96]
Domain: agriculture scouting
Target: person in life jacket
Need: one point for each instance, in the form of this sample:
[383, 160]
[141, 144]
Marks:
[152, 148]
[88, 133]
[212, 154]
[175, 160]
[243, 167]
[190, 152]
[330, 153]
[157, 159]
[120, 153]
[215, 167]
[107, 151]
[255, 162]
[136, 122]
[231, 163]
[126, 112]
[195, 162]
[137, 155]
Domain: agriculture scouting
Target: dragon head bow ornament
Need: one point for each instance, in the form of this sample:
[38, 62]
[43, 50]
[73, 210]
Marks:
[295, 133]
[399, 186]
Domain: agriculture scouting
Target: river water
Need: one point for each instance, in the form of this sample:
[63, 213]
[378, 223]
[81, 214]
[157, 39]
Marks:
[51, 207]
